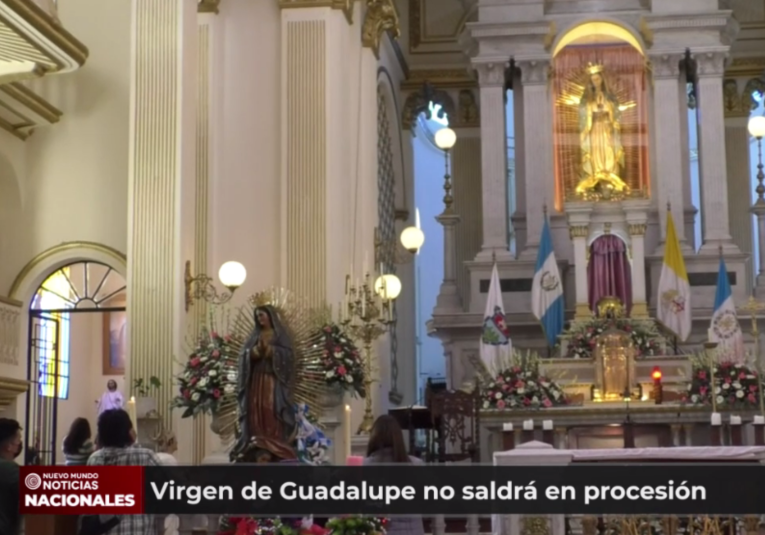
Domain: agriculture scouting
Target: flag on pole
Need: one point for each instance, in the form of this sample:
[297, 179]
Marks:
[496, 346]
[674, 306]
[547, 290]
[725, 329]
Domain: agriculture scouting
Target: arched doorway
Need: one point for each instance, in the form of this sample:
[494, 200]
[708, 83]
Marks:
[76, 343]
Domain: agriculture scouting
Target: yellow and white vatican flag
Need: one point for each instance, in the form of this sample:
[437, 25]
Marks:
[496, 346]
[674, 303]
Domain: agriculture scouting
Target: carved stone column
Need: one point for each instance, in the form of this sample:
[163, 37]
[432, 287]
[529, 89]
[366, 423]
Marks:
[737, 110]
[539, 171]
[578, 214]
[161, 179]
[491, 77]
[667, 149]
[448, 300]
[636, 213]
[712, 158]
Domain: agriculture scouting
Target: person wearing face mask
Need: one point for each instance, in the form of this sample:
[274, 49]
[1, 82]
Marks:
[10, 448]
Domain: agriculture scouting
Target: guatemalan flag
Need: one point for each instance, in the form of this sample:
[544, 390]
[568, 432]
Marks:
[547, 290]
[725, 329]
[496, 346]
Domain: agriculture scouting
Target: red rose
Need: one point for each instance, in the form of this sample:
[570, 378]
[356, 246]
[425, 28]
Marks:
[341, 370]
[186, 394]
[216, 393]
[214, 334]
[500, 404]
[216, 354]
[193, 381]
[194, 362]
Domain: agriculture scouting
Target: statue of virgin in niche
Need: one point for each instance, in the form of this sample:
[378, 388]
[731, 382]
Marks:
[600, 136]
[267, 423]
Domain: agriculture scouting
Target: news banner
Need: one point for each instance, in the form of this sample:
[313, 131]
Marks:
[636, 489]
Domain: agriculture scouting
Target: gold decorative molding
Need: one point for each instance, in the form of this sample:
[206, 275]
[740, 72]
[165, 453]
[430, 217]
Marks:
[550, 37]
[380, 17]
[637, 229]
[32, 35]
[208, 6]
[645, 32]
[535, 525]
[10, 389]
[25, 110]
[744, 67]
[468, 114]
[579, 231]
[442, 78]
[345, 5]
[417, 103]
[58, 249]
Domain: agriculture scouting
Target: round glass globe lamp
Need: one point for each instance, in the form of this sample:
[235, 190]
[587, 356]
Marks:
[757, 126]
[232, 274]
[412, 239]
[445, 138]
[388, 287]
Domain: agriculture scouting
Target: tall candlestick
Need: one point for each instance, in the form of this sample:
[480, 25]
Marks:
[716, 419]
[132, 412]
[347, 430]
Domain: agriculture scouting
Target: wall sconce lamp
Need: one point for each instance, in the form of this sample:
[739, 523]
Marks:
[388, 287]
[401, 251]
[445, 140]
[231, 274]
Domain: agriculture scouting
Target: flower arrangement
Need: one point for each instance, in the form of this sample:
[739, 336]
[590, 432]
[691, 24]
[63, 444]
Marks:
[583, 338]
[520, 385]
[312, 444]
[734, 385]
[245, 525]
[358, 525]
[208, 377]
[341, 361]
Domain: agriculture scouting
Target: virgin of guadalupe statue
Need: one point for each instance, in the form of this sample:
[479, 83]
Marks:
[600, 135]
[267, 424]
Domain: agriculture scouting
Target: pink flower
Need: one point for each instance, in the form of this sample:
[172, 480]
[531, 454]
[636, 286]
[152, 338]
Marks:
[194, 362]
[505, 387]
[742, 375]
[216, 354]
[216, 393]
[214, 334]
[547, 403]
[500, 404]
[703, 390]
[186, 394]
[227, 338]
[751, 398]
[702, 374]
[193, 381]
[341, 370]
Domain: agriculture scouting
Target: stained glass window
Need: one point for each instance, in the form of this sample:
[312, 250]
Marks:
[52, 336]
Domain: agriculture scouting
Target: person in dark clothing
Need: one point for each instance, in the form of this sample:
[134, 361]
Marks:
[10, 448]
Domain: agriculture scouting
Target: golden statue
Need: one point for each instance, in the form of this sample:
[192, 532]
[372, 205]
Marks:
[610, 308]
[600, 136]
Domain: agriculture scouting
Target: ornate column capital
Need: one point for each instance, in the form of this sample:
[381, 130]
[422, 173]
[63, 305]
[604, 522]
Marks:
[533, 71]
[380, 17]
[578, 231]
[491, 74]
[710, 64]
[468, 113]
[208, 6]
[636, 229]
[666, 65]
[345, 5]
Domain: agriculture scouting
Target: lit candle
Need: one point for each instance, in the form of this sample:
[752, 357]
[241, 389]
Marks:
[354, 460]
[507, 426]
[759, 420]
[347, 425]
[716, 419]
[735, 420]
[528, 425]
[131, 411]
[547, 425]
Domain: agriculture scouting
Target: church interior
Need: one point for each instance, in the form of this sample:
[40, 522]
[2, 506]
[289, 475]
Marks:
[406, 168]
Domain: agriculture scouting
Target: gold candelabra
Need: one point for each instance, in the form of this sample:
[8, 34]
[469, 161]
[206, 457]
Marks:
[754, 307]
[365, 315]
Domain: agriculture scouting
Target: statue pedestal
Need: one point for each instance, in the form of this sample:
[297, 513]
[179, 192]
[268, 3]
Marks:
[218, 457]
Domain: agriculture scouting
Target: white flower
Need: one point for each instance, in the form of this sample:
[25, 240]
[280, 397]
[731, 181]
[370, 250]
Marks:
[212, 373]
[228, 389]
[195, 396]
[349, 378]
[737, 385]
[694, 398]
[521, 390]
[726, 386]
[535, 399]
[720, 399]
[203, 382]
[740, 394]
[498, 395]
[231, 377]
[330, 374]
[531, 383]
[717, 390]
[485, 404]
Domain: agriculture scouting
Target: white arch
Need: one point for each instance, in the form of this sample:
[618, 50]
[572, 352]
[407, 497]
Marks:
[600, 26]
[43, 265]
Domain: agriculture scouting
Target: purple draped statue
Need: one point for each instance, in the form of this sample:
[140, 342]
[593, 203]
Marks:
[608, 272]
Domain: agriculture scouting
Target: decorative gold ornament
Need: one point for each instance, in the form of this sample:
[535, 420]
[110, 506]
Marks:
[637, 229]
[380, 17]
[594, 68]
[579, 231]
[610, 307]
[467, 111]
[535, 525]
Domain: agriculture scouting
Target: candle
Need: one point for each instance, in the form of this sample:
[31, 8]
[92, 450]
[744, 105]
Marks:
[716, 418]
[366, 260]
[507, 426]
[711, 334]
[131, 411]
[528, 425]
[547, 425]
[354, 460]
[735, 420]
[347, 425]
[759, 420]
